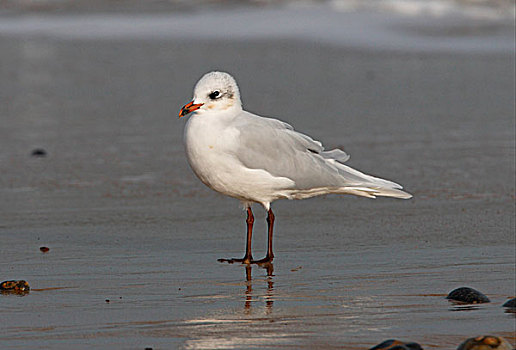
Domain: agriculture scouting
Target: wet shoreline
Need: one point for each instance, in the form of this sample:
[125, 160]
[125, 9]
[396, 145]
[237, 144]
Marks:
[127, 221]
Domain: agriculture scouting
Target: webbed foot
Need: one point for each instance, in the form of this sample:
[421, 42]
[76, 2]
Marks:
[244, 260]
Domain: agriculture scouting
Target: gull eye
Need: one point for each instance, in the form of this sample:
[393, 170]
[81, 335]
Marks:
[214, 95]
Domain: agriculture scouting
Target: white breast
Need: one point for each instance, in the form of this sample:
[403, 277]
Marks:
[207, 149]
[210, 147]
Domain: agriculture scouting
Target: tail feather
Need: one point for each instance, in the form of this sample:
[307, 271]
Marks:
[374, 192]
[369, 186]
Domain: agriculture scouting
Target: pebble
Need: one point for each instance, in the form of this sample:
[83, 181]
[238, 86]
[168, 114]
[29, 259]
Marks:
[468, 296]
[38, 152]
[510, 303]
[15, 287]
[485, 342]
[393, 344]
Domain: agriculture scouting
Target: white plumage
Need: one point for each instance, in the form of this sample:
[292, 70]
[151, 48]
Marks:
[257, 159]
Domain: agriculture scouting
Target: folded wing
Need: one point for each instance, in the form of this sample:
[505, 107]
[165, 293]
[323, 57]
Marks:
[274, 146]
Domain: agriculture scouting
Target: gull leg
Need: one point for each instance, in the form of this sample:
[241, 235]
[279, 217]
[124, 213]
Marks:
[248, 257]
[270, 226]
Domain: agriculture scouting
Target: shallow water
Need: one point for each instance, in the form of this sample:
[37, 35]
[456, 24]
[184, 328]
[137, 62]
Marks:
[126, 220]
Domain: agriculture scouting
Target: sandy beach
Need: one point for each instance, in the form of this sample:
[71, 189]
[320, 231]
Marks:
[134, 237]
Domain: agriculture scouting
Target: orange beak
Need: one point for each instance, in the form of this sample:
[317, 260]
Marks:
[189, 108]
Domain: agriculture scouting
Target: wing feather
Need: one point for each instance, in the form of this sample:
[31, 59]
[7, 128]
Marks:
[274, 146]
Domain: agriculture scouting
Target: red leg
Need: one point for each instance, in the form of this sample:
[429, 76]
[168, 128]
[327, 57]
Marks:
[270, 225]
[248, 257]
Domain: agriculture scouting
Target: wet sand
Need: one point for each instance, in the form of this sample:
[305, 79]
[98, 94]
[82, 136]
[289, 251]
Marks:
[126, 220]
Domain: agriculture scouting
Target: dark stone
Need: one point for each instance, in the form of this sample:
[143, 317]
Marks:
[393, 344]
[510, 303]
[38, 152]
[468, 296]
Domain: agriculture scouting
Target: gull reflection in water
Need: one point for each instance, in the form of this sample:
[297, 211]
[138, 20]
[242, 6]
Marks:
[269, 295]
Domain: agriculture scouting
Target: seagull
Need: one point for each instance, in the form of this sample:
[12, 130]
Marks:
[259, 160]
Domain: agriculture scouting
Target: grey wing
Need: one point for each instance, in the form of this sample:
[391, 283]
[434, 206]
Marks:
[274, 146]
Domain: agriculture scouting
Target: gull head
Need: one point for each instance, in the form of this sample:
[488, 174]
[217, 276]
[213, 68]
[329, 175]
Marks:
[215, 91]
